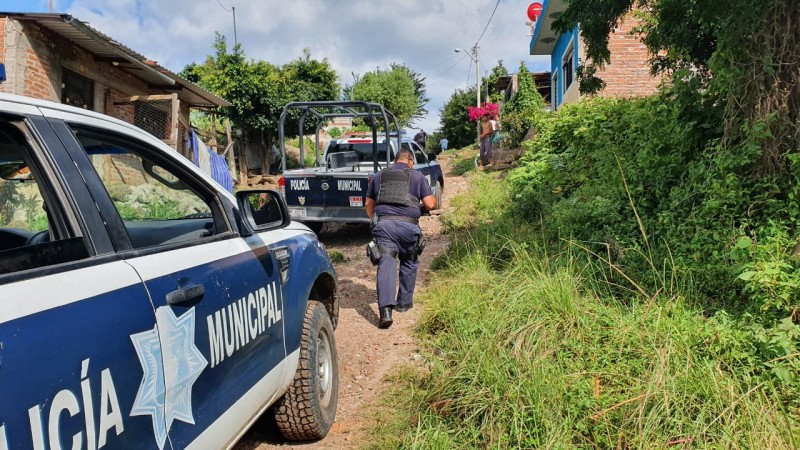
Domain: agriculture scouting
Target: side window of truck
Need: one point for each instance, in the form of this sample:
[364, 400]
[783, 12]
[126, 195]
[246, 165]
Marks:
[157, 205]
[419, 156]
[32, 226]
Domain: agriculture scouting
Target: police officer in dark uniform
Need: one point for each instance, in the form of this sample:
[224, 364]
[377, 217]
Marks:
[394, 196]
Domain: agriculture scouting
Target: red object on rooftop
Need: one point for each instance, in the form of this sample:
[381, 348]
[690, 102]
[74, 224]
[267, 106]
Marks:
[534, 10]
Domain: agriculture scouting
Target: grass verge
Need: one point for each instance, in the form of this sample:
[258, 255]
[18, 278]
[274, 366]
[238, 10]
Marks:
[522, 353]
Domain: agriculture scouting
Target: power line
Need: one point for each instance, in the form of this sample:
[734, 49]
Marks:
[449, 69]
[487, 23]
[514, 10]
[446, 60]
[223, 6]
[469, 72]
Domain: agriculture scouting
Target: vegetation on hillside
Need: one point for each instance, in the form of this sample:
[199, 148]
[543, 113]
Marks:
[635, 283]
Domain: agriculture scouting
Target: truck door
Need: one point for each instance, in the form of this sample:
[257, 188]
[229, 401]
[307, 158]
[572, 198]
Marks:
[69, 371]
[217, 297]
[421, 163]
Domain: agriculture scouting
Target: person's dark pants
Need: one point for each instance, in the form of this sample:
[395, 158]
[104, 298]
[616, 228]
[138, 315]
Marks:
[400, 237]
[486, 150]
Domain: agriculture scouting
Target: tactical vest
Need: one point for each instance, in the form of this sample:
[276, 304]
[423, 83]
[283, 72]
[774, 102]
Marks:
[395, 190]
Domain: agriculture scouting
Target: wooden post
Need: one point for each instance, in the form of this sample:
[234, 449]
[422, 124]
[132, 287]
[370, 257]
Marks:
[242, 159]
[213, 142]
[229, 149]
[173, 135]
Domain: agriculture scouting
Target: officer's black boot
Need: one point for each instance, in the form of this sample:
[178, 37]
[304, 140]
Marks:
[386, 317]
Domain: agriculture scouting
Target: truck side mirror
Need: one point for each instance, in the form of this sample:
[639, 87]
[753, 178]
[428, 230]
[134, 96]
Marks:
[431, 156]
[263, 210]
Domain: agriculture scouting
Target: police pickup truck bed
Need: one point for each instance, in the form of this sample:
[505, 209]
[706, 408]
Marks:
[335, 190]
[141, 304]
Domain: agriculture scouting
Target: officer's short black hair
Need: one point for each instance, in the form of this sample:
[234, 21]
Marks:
[404, 153]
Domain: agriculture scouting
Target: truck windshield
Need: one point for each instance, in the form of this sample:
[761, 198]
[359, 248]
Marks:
[363, 150]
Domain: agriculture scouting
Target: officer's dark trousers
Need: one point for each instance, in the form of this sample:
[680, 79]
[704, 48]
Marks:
[400, 237]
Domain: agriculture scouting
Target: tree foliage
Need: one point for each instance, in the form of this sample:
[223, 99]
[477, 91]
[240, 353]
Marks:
[454, 119]
[498, 71]
[420, 92]
[521, 112]
[258, 90]
[399, 89]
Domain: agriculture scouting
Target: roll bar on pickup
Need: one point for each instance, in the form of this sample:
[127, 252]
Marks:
[326, 110]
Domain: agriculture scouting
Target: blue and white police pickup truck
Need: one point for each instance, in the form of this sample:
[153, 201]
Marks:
[335, 189]
[141, 304]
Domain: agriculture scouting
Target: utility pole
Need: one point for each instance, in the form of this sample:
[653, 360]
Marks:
[235, 40]
[475, 50]
[475, 57]
[51, 6]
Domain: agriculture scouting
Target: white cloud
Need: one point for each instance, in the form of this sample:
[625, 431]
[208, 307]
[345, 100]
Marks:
[355, 35]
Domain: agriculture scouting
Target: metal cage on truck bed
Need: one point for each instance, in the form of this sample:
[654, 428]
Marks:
[323, 111]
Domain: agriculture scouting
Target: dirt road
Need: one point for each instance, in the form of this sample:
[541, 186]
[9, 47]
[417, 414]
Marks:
[366, 354]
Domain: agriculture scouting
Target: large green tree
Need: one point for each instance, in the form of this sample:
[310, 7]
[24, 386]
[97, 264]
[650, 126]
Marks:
[454, 119]
[258, 90]
[399, 89]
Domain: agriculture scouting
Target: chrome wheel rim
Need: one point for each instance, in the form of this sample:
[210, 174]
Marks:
[324, 367]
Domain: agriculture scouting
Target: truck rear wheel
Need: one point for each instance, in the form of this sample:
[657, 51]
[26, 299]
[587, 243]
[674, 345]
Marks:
[307, 410]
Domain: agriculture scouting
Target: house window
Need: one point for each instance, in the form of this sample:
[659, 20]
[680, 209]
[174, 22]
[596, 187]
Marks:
[77, 90]
[568, 67]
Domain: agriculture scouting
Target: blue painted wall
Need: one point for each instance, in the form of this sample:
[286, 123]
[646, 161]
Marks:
[555, 63]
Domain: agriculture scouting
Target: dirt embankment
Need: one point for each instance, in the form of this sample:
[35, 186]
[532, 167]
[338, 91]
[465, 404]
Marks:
[366, 354]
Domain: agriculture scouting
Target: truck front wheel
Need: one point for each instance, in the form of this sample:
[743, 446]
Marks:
[316, 227]
[438, 194]
[307, 410]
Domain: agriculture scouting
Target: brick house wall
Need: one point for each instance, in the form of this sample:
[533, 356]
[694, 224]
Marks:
[2, 42]
[36, 58]
[628, 73]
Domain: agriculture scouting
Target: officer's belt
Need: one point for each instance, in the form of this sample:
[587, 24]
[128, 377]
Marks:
[413, 220]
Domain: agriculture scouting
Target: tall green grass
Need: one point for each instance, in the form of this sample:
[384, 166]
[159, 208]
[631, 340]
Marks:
[522, 353]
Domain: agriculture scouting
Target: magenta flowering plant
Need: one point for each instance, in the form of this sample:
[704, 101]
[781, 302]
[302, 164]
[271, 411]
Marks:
[475, 113]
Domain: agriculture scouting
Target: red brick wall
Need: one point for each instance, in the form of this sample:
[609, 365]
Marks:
[628, 74]
[37, 76]
[2, 39]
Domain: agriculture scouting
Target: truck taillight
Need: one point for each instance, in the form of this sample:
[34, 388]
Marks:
[282, 186]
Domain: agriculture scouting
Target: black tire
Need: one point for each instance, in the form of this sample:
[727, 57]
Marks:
[316, 227]
[438, 194]
[307, 410]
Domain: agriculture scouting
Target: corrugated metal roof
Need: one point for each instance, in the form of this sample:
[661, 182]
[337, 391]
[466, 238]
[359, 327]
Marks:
[104, 46]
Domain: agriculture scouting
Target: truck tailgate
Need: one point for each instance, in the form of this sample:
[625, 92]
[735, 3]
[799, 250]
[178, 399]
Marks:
[326, 189]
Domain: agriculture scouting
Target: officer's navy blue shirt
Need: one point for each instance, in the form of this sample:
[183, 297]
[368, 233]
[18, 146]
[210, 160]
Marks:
[418, 187]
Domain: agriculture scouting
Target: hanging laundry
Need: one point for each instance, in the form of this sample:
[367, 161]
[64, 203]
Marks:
[210, 162]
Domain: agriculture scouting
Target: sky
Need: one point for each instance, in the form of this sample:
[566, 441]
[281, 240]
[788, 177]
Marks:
[356, 36]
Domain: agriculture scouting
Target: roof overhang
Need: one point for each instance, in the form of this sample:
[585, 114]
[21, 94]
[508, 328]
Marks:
[106, 49]
[544, 39]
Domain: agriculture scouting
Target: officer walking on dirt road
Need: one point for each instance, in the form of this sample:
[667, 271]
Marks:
[393, 205]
